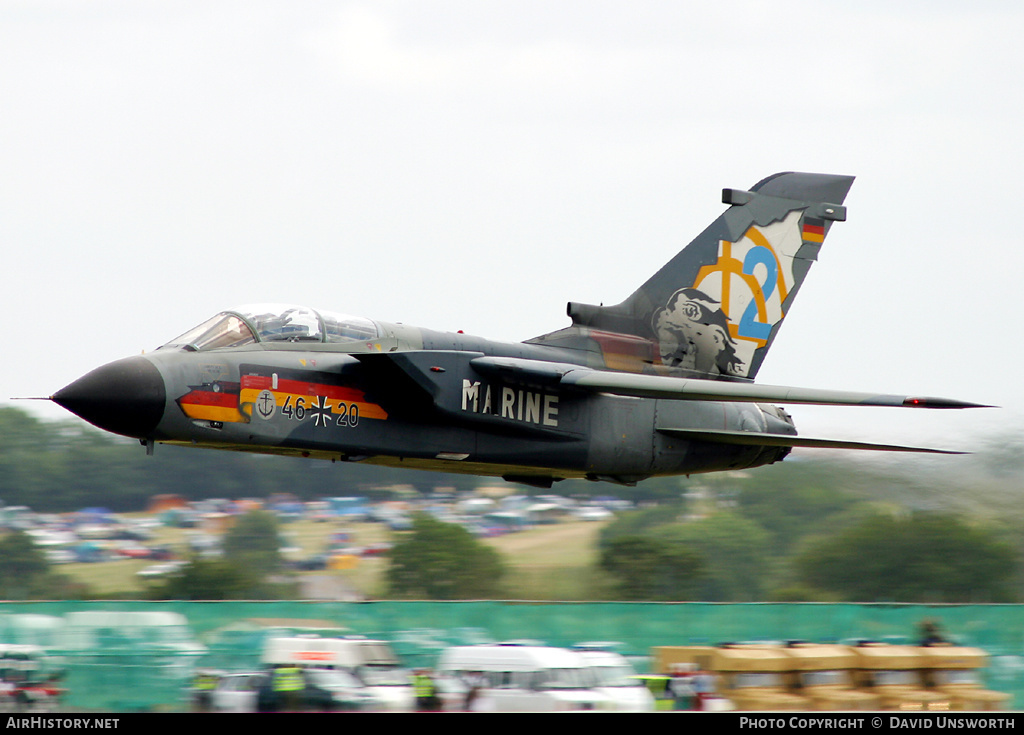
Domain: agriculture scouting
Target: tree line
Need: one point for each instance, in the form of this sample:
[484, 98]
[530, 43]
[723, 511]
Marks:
[805, 530]
[810, 544]
[63, 466]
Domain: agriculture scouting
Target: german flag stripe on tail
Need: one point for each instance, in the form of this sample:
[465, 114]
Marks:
[813, 230]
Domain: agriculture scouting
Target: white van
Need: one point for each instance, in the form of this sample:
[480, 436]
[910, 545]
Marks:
[616, 681]
[163, 638]
[385, 683]
[520, 678]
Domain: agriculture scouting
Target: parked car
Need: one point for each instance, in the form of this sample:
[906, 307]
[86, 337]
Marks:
[239, 692]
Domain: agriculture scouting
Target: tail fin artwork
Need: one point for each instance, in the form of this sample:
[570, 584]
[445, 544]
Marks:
[715, 308]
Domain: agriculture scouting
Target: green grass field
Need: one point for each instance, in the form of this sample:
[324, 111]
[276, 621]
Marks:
[549, 562]
[552, 562]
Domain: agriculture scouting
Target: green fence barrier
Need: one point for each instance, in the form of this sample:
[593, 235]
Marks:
[136, 670]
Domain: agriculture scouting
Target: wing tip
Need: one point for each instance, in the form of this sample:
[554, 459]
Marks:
[931, 402]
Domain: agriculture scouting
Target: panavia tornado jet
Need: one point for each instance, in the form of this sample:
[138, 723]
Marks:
[661, 384]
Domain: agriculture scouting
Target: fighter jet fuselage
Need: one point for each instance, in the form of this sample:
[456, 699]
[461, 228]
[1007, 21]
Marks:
[660, 384]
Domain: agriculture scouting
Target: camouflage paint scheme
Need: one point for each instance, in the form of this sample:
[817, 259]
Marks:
[660, 384]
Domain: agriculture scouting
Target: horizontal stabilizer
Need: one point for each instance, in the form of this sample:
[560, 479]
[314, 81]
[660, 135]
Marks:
[782, 440]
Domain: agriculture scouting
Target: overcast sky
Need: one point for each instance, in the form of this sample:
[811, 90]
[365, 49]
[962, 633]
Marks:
[474, 165]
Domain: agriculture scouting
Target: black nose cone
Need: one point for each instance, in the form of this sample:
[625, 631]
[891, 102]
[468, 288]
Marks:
[125, 397]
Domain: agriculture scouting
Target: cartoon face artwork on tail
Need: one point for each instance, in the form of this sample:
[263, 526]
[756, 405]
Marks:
[716, 325]
[693, 333]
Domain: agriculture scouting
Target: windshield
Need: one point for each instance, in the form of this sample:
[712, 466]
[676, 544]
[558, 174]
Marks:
[956, 676]
[383, 676]
[613, 676]
[822, 678]
[280, 323]
[561, 679]
[346, 328]
[274, 323]
[223, 330]
[334, 680]
[743, 681]
[890, 678]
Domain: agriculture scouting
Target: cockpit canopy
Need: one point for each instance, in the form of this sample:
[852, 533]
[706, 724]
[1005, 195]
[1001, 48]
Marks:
[274, 323]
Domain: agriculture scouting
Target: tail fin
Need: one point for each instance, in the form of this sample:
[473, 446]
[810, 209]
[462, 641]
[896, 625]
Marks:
[715, 308]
